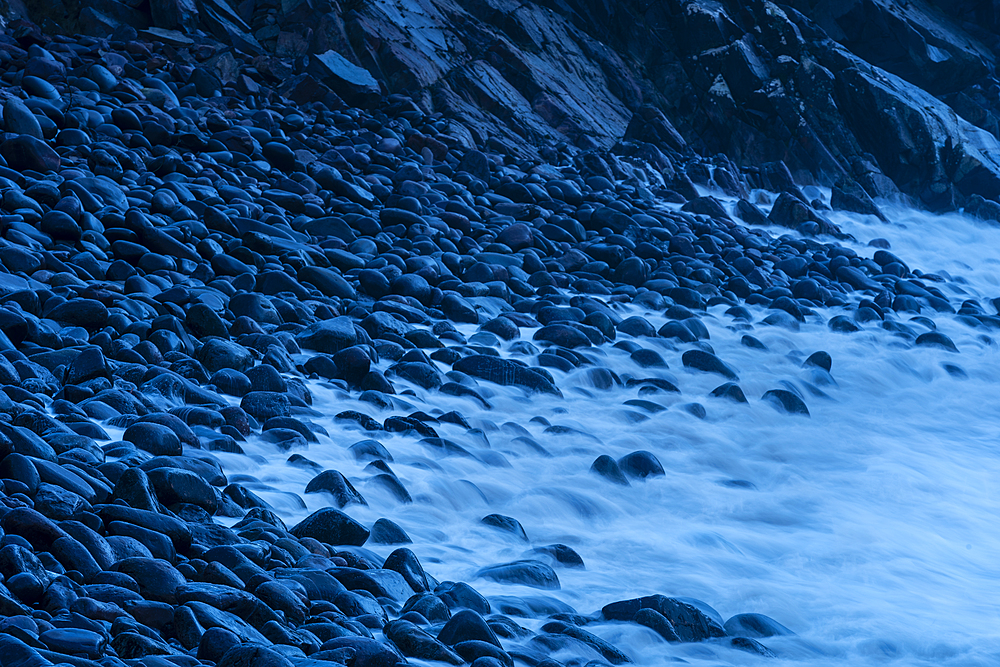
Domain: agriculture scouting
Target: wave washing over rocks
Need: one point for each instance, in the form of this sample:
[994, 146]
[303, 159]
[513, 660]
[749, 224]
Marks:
[288, 382]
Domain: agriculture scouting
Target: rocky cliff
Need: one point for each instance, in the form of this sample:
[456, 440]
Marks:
[897, 98]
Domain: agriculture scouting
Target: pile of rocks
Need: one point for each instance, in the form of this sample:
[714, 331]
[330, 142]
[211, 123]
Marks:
[179, 256]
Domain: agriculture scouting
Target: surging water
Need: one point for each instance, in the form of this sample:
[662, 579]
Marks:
[869, 528]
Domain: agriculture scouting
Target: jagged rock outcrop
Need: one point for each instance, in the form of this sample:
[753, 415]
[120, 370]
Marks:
[916, 41]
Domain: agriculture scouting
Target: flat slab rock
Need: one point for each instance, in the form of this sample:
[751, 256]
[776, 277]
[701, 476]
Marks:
[506, 373]
[526, 572]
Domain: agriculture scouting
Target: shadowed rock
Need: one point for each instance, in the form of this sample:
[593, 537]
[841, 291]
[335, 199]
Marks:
[709, 363]
[331, 526]
[504, 372]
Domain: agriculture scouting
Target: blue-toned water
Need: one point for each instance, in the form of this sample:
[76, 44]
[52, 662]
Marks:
[869, 528]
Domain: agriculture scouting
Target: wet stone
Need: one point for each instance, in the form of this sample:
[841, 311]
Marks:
[608, 651]
[243, 655]
[636, 326]
[405, 562]
[331, 526]
[656, 622]
[156, 439]
[264, 405]
[755, 626]
[364, 421]
[461, 594]
[525, 572]
[25, 152]
[691, 619]
[648, 359]
[416, 643]
[730, 390]
[504, 372]
[640, 465]
[786, 401]
[370, 449]
[562, 335]
[385, 531]
[936, 339]
[483, 654]
[842, 324]
[157, 579]
[752, 646]
[709, 363]
[607, 467]
[26, 587]
[266, 378]
[329, 336]
[505, 524]
[467, 625]
[182, 486]
[192, 225]
[422, 374]
[819, 359]
[752, 342]
[307, 430]
[366, 652]
[502, 327]
[215, 642]
[337, 486]
[562, 554]
[955, 371]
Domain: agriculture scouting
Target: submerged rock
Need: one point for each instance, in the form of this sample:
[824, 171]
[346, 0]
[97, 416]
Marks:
[526, 572]
[503, 372]
[709, 363]
[786, 401]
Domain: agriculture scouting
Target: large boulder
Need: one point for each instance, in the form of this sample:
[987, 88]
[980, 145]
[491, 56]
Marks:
[908, 39]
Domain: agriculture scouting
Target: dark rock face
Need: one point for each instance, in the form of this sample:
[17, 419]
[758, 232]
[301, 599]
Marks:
[904, 40]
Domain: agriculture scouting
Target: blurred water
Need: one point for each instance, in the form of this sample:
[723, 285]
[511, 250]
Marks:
[868, 528]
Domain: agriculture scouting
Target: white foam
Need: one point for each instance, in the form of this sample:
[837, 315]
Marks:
[872, 528]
